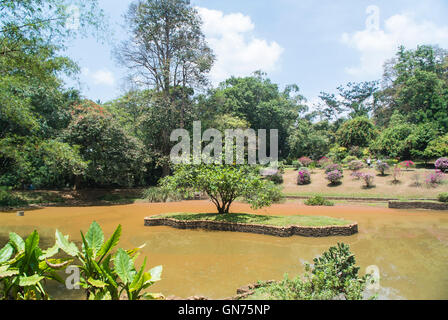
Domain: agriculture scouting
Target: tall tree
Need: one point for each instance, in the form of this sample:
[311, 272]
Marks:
[168, 54]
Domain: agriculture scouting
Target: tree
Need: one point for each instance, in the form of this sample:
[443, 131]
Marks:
[356, 98]
[357, 132]
[308, 139]
[224, 184]
[437, 148]
[168, 54]
[416, 85]
[257, 101]
[114, 157]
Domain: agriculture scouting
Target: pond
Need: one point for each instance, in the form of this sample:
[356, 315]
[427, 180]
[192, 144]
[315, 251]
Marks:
[410, 248]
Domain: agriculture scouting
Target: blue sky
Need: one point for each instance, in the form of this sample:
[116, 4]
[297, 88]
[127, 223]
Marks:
[315, 44]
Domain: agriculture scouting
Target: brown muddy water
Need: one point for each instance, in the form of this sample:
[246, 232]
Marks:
[410, 248]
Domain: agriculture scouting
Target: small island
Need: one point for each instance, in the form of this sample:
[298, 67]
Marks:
[280, 226]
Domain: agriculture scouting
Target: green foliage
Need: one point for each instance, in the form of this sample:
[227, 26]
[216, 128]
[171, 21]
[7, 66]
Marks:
[108, 275]
[224, 184]
[357, 132]
[113, 156]
[443, 197]
[9, 199]
[24, 268]
[332, 276]
[276, 178]
[161, 194]
[318, 201]
[437, 148]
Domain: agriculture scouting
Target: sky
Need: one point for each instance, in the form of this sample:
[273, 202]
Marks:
[317, 45]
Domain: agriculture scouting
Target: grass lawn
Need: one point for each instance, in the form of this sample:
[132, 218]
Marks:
[282, 221]
[351, 188]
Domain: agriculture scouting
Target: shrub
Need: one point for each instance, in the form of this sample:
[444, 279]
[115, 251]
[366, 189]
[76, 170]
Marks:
[8, 199]
[443, 197]
[305, 161]
[442, 164]
[159, 194]
[296, 164]
[276, 178]
[356, 175]
[382, 167]
[368, 179]
[397, 174]
[334, 176]
[318, 201]
[323, 162]
[407, 164]
[356, 165]
[333, 167]
[303, 177]
[435, 178]
[417, 180]
[349, 159]
[334, 275]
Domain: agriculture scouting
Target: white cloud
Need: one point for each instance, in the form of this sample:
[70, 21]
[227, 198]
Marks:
[376, 45]
[99, 77]
[237, 51]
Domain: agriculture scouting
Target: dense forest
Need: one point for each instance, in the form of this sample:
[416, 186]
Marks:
[52, 137]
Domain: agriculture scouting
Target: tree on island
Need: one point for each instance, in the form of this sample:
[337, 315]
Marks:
[224, 184]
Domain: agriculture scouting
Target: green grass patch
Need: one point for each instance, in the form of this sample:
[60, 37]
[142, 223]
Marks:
[281, 221]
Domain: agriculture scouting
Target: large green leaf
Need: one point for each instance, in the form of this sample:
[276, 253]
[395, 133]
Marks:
[95, 238]
[124, 266]
[156, 273]
[5, 272]
[49, 252]
[30, 281]
[6, 252]
[31, 243]
[66, 246]
[137, 283]
[110, 244]
[17, 241]
[97, 283]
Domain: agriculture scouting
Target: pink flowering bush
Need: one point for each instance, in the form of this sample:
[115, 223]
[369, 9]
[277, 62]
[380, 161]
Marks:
[335, 176]
[442, 164]
[407, 164]
[304, 177]
[434, 179]
[324, 161]
[305, 161]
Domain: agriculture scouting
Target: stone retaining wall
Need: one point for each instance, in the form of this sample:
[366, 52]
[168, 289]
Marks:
[329, 231]
[418, 205]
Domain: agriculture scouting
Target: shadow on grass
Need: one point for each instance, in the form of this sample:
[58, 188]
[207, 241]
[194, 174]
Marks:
[229, 217]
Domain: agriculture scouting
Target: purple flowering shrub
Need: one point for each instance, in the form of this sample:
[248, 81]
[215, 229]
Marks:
[382, 167]
[435, 178]
[304, 177]
[334, 167]
[334, 176]
[442, 164]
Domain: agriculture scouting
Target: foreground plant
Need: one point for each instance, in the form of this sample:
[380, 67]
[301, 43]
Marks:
[24, 268]
[334, 275]
[106, 275]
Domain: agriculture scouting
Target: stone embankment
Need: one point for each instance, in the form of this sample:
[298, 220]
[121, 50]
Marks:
[418, 205]
[304, 231]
